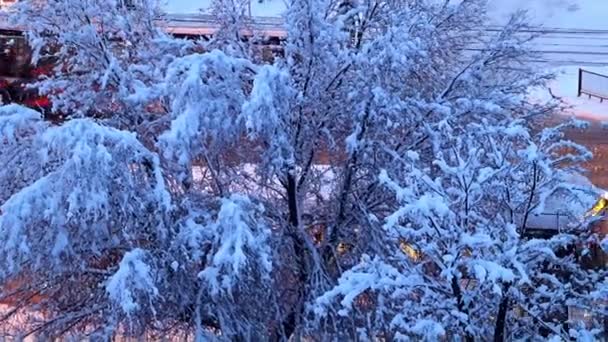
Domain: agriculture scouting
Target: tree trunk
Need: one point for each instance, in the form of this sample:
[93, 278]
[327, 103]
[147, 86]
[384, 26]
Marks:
[460, 303]
[290, 323]
[501, 318]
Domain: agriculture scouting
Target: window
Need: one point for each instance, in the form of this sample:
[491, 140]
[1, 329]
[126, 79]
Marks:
[410, 251]
[14, 56]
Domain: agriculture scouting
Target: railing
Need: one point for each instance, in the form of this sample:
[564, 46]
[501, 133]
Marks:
[592, 84]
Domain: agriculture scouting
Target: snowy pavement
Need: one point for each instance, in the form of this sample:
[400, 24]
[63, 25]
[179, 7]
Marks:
[590, 14]
[576, 37]
[266, 8]
[566, 86]
[570, 14]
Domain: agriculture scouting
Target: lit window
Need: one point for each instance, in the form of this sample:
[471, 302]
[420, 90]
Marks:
[342, 248]
[410, 251]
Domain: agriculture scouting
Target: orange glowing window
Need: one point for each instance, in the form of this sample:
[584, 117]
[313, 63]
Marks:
[410, 251]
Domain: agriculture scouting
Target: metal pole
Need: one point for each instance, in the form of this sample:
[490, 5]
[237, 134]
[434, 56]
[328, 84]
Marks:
[580, 81]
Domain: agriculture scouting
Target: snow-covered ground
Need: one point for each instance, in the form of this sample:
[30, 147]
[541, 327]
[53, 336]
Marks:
[588, 14]
[574, 32]
[566, 86]
[579, 14]
[577, 38]
[267, 8]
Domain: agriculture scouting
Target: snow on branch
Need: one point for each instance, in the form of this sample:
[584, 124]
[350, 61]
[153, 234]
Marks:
[240, 244]
[17, 122]
[208, 92]
[133, 279]
[102, 188]
[370, 274]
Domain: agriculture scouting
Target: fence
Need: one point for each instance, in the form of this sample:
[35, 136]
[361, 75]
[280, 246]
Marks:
[592, 84]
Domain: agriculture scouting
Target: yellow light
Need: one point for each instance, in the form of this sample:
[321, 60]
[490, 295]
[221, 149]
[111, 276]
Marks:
[343, 248]
[410, 251]
[599, 206]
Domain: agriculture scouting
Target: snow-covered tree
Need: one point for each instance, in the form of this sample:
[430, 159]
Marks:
[375, 180]
[102, 237]
[106, 54]
[88, 194]
[468, 174]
